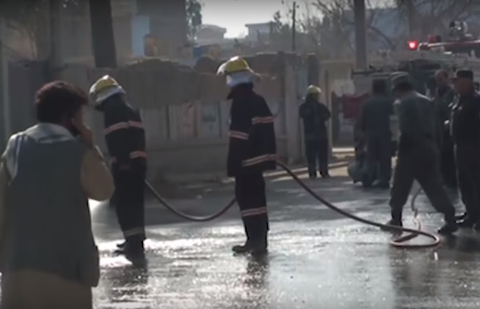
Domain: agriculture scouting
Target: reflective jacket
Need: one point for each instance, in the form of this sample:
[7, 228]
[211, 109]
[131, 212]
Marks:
[124, 134]
[252, 144]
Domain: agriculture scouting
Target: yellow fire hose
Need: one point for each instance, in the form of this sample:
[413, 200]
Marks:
[398, 242]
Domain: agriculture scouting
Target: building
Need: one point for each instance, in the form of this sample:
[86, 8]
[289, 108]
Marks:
[210, 34]
[163, 20]
[257, 31]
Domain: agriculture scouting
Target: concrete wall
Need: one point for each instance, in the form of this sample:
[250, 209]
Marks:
[186, 114]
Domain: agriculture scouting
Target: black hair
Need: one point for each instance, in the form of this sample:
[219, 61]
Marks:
[57, 100]
[379, 86]
[404, 86]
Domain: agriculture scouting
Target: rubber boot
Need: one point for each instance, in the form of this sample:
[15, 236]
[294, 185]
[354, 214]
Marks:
[254, 246]
[260, 246]
[246, 247]
[132, 248]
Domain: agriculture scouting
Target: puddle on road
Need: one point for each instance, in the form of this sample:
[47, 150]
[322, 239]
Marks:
[310, 265]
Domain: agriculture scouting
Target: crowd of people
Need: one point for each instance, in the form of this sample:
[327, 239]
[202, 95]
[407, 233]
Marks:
[438, 144]
[48, 255]
[47, 248]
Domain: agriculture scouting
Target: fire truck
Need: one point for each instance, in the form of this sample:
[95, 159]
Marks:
[458, 42]
[420, 60]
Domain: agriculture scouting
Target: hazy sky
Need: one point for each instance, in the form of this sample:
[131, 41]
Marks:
[234, 14]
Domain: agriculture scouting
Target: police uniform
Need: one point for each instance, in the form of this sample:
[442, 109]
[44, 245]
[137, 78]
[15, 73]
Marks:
[252, 150]
[444, 100]
[465, 130]
[315, 115]
[125, 139]
[375, 125]
[418, 156]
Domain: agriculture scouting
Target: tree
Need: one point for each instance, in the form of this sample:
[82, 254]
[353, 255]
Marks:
[194, 18]
[32, 18]
[340, 14]
[433, 17]
[103, 39]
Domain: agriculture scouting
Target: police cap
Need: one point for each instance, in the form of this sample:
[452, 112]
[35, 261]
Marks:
[465, 74]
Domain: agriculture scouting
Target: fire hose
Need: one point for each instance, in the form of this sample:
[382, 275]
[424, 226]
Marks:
[399, 242]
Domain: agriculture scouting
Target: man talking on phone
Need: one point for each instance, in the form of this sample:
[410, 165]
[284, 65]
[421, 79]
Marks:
[47, 174]
[125, 138]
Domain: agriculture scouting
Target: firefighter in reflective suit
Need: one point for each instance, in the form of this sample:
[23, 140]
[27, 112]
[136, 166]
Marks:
[125, 139]
[252, 151]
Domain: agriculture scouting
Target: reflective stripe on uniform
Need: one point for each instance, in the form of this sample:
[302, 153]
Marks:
[263, 120]
[253, 212]
[135, 124]
[115, 127]
[238, 134]
[138, 154]
[133, 232]
[123, 125]
[132, 155]
[259, 159]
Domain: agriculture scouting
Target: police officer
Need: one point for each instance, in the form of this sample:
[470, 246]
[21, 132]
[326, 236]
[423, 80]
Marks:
[125, 138]
[252, 150]
[418, 157]
[315, 115]
[465, 129]
[444, 99]
[375, 126]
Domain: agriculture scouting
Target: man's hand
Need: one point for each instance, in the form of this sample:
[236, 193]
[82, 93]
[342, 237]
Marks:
[85, 134]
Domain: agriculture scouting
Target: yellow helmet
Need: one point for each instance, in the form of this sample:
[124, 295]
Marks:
[234, 65]
[104, 88]
[313, 90]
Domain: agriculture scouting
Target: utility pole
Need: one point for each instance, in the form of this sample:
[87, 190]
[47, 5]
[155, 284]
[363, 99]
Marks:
[4, 82]
[294, 26]
[411, 18]
[56, 49]
[103, 38]
[360, 35]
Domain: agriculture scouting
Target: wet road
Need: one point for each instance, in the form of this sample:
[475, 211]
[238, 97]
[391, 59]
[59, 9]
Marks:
[317, 259]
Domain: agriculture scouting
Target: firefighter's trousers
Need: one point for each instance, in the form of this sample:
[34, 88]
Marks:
[130, 203]
[250, 195]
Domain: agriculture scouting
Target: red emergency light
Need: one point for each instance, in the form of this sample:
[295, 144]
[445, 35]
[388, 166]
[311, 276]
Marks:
[412, 45]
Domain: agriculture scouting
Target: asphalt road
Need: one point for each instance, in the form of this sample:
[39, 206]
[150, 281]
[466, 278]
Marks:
[316, 259]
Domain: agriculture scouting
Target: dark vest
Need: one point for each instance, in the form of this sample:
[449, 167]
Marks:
[47, 222]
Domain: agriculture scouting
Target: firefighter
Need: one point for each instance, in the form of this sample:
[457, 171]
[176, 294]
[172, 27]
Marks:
[252, 151]
[375, 126]
[465, 130]
[418, 157]
[125, 139]
[315, 115]
[444, 99]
